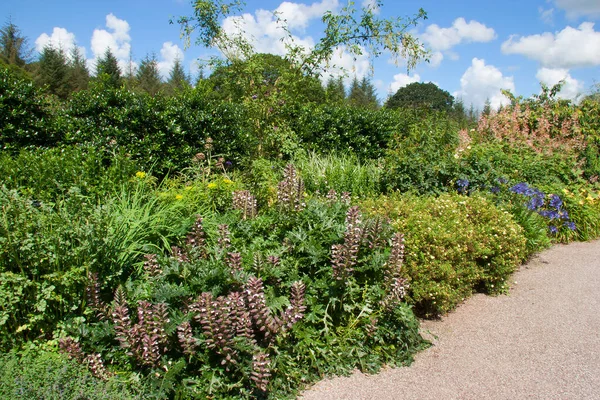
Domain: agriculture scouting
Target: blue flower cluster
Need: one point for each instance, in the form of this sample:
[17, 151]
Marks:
[462, 185]
[552, 210]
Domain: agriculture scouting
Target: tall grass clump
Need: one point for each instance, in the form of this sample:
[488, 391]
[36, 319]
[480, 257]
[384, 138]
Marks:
[339, 172]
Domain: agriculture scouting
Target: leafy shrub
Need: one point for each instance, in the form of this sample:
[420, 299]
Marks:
[456, 244]
[160, 134]
[421, 159]
[51, 376]
[335, 128]
[482, 164]
[25, 115]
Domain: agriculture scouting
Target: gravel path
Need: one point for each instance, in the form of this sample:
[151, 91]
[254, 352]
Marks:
[541, 341]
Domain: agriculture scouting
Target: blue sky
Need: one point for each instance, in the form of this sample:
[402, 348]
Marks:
[477, 47]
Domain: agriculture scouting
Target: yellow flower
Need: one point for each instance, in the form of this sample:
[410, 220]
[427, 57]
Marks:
[227, 181]
[212, 185]
[140, 174]
[590, 199]
[178, 197]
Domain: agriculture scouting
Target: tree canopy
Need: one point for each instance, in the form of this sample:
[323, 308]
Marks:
[421, 95]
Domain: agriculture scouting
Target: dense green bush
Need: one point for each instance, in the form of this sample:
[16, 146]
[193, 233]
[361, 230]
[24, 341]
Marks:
[26, 117]
[421, 157]
[162, 134]
[339, 128]
[49, 246]
[483, 164]
[455, 245]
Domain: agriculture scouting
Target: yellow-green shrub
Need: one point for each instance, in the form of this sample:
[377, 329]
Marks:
[454, 245]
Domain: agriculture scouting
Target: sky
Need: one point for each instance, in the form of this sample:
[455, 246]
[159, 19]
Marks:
[477, 48]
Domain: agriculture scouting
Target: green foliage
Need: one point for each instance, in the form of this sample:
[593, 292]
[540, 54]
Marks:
[178, 80]
[420, 156]
[357, 30]
[52, 72]
[13, 46]
[362, 94]
[335, 92]
[107, 70]
[483, 164]
[48, 246]
[421, 95]
[455, 245]
[148, 77]
[354, 319]
[341, 173]
[25, 115]
[50, 376]
[345, 129]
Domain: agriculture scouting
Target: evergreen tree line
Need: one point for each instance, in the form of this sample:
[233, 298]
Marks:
[62, 73]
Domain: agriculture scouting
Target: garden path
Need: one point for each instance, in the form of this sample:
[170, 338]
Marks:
[541, 341]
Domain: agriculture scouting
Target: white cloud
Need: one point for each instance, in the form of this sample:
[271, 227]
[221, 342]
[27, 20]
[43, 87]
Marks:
[576, 8]
[547, 16]
[345, 64]
[571, 88]
[118, 41]
[59, 39]
[169, 53]
[401, 80]
[481, 82]
[441, 39]
[566, 49]
[436, 59]
[264, 31]
[299, 15]
[371, 4]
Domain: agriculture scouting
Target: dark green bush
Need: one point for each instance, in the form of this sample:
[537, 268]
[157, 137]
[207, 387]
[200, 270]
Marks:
[421, 158]
[483, 164]
[335, 128]
[162, 134]
[26, 119]
[455, 245]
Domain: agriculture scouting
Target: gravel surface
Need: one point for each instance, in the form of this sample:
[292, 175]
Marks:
[541, 341]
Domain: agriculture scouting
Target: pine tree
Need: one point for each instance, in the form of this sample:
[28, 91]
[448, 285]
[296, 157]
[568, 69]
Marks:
[178, 80]
[335, 90]
[369, 95]
[78, 74]
[13, 46]
[148, 76]
[355, 95]
[108, 66]
[487, 107]
[129, 79]
[52, 72]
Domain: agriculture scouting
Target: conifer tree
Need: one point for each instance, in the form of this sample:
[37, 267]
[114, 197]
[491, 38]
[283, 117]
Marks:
[148, 76]
[53, 72]
[108, 65]
[178, 79]
[335, 90]
[78, 74]
[13, 46]
[369, 96]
